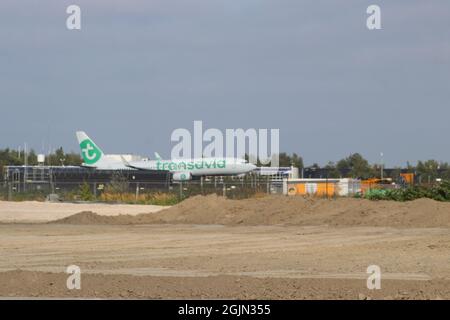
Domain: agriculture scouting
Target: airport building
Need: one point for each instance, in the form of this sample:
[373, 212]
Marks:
[53, 178]
[278, 173]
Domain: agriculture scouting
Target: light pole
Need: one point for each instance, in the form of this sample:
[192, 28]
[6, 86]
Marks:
[381, 165]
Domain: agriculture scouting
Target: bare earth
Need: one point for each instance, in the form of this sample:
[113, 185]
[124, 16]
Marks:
[294, 250]
[34, 211]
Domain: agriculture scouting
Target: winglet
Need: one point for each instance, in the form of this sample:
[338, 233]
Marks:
[128, 165]
[125, 162]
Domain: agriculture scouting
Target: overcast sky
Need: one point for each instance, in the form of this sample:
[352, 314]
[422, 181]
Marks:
[140, 69]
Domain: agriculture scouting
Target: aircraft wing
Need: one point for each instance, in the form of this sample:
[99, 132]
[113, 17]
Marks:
[128, 165]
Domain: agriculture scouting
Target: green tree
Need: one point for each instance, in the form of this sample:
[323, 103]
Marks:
[428, 171]
[395, 174]
[10, 157]
[85, 192]
[59, 157]
[297, 161]
[73, 159]
[358, 166]
[333, 172]
[284, 160]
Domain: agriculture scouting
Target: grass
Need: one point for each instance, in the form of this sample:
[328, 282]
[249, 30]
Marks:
[156, 198]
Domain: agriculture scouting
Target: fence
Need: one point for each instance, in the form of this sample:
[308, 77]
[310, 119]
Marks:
[138, 191]
[165, 191]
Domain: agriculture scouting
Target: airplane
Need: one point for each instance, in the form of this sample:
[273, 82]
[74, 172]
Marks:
[186, 169]
[181, 169]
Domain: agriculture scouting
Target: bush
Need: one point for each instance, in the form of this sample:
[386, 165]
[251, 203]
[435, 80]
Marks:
[439, 192]
[155, 198]
[162, 199]
[28, 196]
[85, 192]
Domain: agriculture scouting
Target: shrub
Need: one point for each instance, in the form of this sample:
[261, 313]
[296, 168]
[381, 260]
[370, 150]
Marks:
[439, 192]
[155, 198]
[85, 192]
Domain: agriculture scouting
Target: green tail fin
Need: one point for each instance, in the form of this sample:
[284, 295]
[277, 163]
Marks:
[90, 152]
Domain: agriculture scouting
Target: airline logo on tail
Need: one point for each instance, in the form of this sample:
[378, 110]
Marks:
[89, 151]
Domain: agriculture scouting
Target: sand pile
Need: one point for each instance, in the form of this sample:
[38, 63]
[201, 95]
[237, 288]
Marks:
[89, 217]
[39, 212]
[272, 210]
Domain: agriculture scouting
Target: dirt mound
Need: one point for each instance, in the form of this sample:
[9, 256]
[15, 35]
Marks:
[272, 210]
[89, 217]
[41, 212]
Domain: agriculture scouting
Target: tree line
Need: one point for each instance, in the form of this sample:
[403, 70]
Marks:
[356, 166]
[9, 157]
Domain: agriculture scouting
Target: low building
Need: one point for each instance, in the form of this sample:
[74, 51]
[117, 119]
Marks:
[21, 178]
[322, 187]
[278, 172]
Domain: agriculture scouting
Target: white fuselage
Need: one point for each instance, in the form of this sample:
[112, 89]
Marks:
[197, 167]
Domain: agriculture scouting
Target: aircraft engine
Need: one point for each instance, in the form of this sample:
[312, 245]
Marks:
[182, 176]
